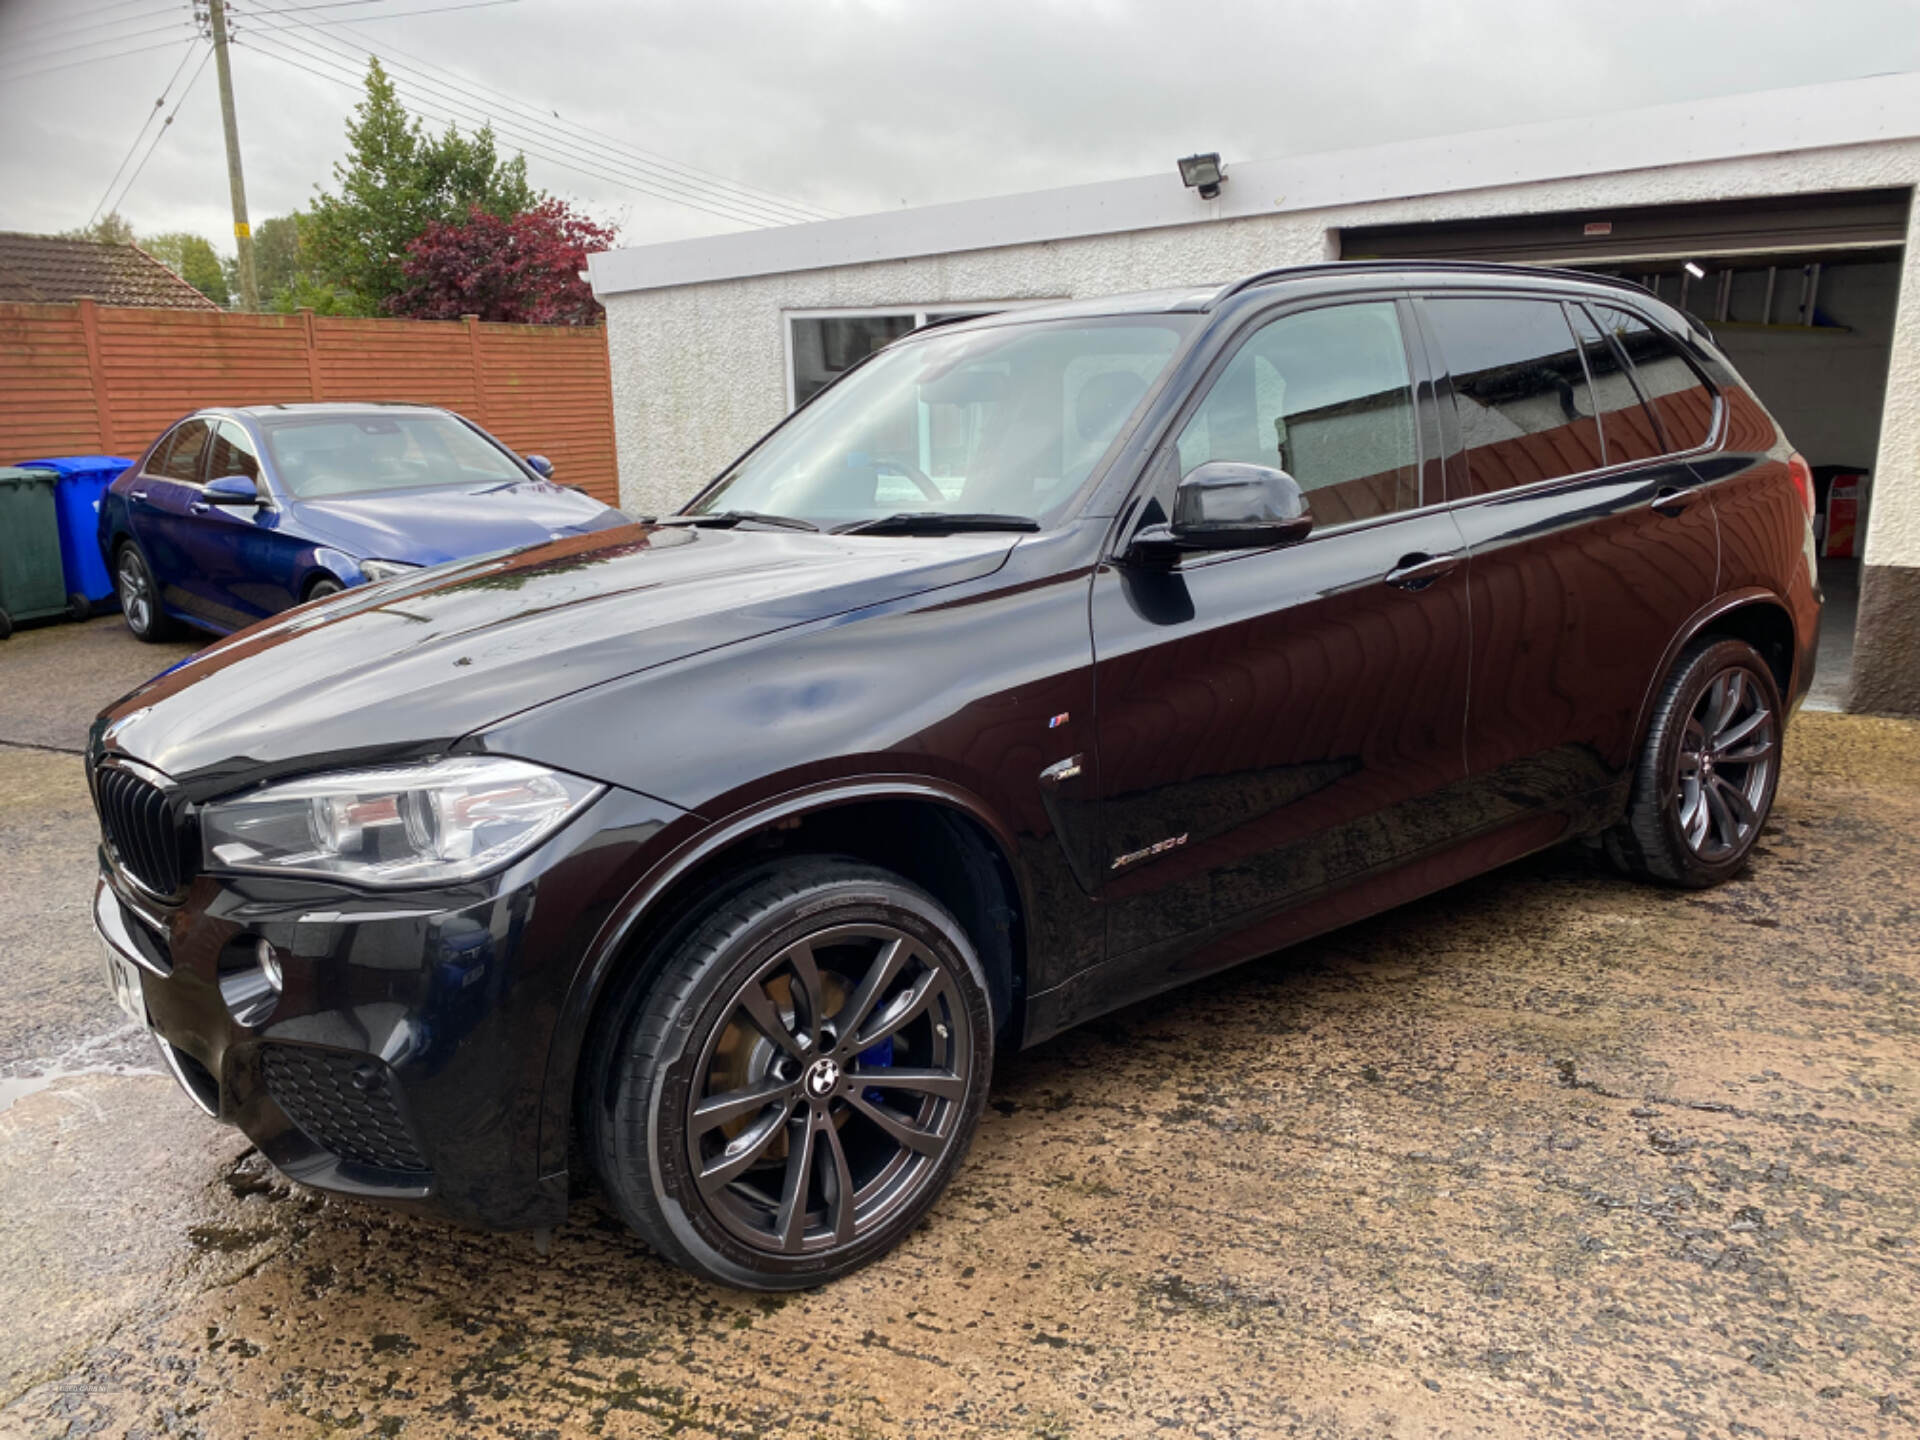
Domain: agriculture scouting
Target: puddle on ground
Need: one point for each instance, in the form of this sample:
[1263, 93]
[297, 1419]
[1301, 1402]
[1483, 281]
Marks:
[97, 1056]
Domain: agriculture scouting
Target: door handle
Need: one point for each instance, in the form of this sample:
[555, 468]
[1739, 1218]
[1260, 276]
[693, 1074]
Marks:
[199, 507]
[1061, 770]
[1670, 500]
[1418, 570]
[137, 495]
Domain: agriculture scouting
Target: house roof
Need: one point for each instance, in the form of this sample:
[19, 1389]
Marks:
[1812, 117]
[51, 269]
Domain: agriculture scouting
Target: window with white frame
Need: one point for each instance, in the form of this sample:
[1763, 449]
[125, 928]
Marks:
[821, 344]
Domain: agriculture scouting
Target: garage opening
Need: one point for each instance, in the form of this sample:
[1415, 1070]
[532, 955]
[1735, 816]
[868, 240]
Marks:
[1800, 291]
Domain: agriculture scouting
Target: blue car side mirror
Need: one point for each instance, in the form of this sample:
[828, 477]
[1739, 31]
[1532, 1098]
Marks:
[233, 490]
[541, 466]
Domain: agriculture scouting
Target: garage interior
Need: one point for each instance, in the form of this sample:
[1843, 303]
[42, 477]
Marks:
[1800, 291]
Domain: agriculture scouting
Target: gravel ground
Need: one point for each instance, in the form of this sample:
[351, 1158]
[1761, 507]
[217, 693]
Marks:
[1550, 1154]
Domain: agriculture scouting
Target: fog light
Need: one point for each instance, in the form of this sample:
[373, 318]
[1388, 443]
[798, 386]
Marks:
[251, 979]
[270, 965]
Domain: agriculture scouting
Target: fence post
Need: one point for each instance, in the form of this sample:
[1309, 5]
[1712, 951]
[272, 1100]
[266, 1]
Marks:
[97, 374]
[314, 385]
[479, 368]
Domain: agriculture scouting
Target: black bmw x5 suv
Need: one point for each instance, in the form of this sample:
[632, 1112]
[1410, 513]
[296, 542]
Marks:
[1042, 663]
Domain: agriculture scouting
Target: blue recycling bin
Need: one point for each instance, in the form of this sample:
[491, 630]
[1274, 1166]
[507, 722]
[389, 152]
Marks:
[82, 482]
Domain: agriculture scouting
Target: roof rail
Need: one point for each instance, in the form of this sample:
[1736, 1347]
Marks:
[1451, 267]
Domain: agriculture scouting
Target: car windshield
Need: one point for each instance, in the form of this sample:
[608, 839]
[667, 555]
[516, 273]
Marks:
[1004, 423]
[321, 455]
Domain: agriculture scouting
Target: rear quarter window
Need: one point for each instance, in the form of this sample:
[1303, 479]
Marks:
[1666, 377]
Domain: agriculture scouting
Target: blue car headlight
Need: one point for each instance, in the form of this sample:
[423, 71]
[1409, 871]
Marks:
[378, 570]
[430, 824]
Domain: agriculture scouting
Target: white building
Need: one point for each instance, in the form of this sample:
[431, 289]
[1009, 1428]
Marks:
[1796, 205]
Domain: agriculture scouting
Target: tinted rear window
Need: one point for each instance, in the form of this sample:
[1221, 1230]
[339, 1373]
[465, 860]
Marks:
[1673, 388]
[1519, 388]
[1625, 423]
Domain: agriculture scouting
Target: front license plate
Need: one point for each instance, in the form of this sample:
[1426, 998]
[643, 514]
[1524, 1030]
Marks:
[123, 978]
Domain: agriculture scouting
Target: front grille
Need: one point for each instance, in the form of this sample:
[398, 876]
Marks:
[345, 1103]
[144, 830]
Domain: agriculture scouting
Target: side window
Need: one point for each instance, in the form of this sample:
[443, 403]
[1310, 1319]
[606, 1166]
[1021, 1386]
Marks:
[1625, 423]
[1325, 395]
[180, 458]
[232, 454]
[1520, 389]
[1673, 388]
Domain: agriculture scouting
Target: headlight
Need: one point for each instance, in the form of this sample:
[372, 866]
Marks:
[405, 825]
[378, 570]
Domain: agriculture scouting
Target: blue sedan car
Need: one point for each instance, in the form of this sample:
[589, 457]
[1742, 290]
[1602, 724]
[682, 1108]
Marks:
[235, 514]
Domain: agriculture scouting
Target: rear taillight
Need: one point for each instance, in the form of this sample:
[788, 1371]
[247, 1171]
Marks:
[1802, 474]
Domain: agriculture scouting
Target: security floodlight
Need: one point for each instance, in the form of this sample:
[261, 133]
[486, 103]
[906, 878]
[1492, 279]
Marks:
[1695, 271]
[1204, 173]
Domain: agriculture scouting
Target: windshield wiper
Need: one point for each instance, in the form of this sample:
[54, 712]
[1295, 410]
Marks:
[936, 522]
[727, 519]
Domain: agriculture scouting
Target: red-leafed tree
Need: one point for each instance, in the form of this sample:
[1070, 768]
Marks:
[525, 269]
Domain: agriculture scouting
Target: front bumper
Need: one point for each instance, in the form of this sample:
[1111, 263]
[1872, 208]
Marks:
[404, 1059]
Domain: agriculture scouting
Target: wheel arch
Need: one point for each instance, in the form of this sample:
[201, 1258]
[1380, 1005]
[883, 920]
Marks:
[1758, 616]
[934, 834]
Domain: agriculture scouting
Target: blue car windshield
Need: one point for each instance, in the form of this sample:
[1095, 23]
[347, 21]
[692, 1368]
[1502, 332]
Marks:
[320, 455]
[1011, 419]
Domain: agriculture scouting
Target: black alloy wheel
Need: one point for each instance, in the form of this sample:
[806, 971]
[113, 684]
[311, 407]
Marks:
[139, 595]
[799, 1081]
[1708, 770]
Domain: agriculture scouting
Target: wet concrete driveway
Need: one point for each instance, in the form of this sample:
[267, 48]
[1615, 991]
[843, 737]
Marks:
[1551, 1154]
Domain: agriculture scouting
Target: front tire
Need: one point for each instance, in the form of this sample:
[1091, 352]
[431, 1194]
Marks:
[781, 1100]
[1708, 770]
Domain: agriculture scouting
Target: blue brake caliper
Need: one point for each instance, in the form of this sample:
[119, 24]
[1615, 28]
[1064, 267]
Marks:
[875, 1057]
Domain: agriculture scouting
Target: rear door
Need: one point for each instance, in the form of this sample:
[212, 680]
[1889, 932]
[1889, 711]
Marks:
[160, 510]
[1590, 544]
[1275, 723]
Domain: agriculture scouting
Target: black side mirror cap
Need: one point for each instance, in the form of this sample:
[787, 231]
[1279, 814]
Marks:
[1228, 505]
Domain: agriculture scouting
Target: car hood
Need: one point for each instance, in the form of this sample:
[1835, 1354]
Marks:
[431, 526]
[389, 671]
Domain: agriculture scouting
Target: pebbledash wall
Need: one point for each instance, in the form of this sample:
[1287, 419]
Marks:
[697, 329]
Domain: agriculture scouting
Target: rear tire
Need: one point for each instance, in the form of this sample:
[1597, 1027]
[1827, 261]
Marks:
[781, 1099]
[323, 587]
[79, 608]
[139, 595]
[1708, 770]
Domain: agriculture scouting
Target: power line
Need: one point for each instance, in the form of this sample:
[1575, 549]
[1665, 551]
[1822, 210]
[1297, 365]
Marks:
[161, 133]
[767, 205]
[67, 17]
[35, 71]
[60, 29]
[89, 44]
[441, 114]
[407, 14]
[138, 137]
[529, 134]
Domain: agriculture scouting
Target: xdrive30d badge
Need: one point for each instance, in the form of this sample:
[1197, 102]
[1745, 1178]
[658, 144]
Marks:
[1043, 662]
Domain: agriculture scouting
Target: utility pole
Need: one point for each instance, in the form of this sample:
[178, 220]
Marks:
[242, 231]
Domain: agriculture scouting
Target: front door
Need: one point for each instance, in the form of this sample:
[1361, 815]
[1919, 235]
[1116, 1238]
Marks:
[1591, 542]
[1274, 724]
[245, 563]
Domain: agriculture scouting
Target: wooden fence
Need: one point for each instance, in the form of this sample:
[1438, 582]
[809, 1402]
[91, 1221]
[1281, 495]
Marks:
[83, 379]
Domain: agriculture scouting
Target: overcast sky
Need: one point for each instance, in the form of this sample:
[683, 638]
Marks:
[855, 106]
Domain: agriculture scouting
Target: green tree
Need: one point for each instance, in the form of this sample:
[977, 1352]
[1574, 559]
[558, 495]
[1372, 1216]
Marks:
[194, 260]
[395, 182]
[111, 228]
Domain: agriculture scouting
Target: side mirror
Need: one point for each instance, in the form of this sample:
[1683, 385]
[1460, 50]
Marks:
[540, 465]
[233, 490]
[1228, 505]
